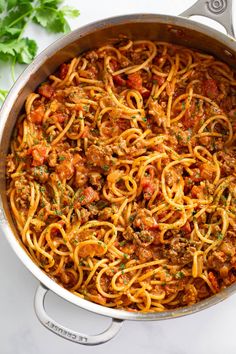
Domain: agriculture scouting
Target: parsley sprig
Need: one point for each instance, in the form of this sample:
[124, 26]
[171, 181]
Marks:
[15, 15]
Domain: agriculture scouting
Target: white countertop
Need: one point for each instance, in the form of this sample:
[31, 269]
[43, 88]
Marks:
[211, 331]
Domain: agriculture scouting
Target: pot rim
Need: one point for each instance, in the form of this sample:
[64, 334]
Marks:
[58, 45]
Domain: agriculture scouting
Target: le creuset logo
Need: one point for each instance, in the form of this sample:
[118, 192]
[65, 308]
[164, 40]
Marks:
[64, 333]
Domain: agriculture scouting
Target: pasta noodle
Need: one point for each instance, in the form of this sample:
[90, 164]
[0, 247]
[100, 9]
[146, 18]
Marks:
[122, 176]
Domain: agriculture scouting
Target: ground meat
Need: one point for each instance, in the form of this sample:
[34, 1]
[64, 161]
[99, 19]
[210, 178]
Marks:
[142, 238]
[190, 295]
[144, 254]
[100, 156]
[52, 158]
[10, 164]
[216, 260]
[228, 161]
[81, 178]
[144, 220]
[128, 234]
[84, 214]
[157, 112]
[95, 179]
[23, 192]
[180, 251]
[40, 173]
[105, 214]
[228, 248]
[92, 56]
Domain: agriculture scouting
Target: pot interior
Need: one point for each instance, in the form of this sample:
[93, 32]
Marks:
[153, 27]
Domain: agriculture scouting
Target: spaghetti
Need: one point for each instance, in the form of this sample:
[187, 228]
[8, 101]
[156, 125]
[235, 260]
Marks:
[122, 176]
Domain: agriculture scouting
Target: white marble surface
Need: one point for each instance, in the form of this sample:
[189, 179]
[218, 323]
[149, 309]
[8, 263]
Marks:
[209, 332]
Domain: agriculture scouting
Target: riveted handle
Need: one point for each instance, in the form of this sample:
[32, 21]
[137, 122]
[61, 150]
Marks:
[67, 333]
[218, 10]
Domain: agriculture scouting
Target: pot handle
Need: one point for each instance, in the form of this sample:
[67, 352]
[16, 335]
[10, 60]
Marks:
[67, 333]
[218, 10]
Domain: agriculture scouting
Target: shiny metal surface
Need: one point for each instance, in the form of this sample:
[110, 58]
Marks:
[218, 10]
[147, 26]
[66, 333]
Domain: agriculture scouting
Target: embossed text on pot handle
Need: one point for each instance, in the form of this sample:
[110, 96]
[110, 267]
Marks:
[67, 333]
[218, 10]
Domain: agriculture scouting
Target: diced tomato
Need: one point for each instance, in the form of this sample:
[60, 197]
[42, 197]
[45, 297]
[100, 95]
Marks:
[59, 117]
[187, 227]
[46, 90]
[118, 80]
[197, 192]
[190, 118]
[145, 92]
[148, 187]
[85, 132]
[123, 123]
[210, 88]
[207, 171]
[213, 281]
[39, 153]
[55, 230]
[160, 80]
[91, 250]
[196, 176]
[88, 196]
[114, 64]
[65, 169]
[135, 81]
[37, 114]
[63, 71]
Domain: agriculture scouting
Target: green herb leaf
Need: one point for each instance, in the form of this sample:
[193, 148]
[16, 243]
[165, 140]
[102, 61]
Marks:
[51, 3]
[122, 266]
[81, 198]
[2, 5]
[105, 167]
[3, 94]
[61, 158]
[101, 204]
[24, 50]
[51, 19]
[179, 275]
[219, 235]
[70, 11]
[15, 16]
[131, 218]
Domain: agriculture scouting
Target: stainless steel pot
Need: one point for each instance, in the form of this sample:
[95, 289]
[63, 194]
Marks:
[178, 30]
